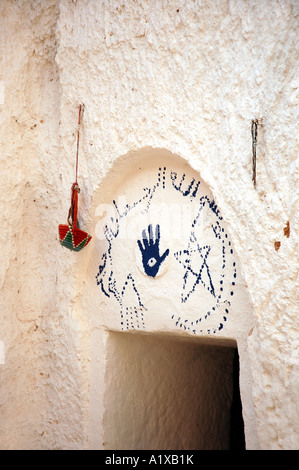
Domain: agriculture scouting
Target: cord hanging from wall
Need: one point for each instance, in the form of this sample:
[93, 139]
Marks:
[254, 126]
[70, 235]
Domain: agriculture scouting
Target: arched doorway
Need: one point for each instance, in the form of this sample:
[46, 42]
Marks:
[163, 272]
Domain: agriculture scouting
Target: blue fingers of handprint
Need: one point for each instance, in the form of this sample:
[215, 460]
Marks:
[151, 258]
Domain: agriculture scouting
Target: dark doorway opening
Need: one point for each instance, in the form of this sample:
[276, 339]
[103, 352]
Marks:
[237, 435]
[166, 392]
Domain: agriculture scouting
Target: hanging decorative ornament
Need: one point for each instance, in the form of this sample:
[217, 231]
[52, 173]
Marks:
[70, 234]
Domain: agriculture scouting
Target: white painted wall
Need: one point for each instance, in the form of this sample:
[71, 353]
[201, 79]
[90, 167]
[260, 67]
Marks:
[188, 78]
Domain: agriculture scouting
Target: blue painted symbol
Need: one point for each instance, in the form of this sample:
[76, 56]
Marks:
[151, 258]
[196, 268]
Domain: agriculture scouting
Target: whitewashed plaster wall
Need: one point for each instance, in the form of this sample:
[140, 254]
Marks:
[29, 114]
[185, 76]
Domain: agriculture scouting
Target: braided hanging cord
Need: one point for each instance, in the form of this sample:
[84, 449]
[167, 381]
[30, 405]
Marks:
[81, 111]
[70, 235]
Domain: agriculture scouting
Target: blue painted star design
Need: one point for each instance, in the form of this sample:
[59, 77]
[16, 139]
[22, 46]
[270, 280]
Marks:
[194, 261]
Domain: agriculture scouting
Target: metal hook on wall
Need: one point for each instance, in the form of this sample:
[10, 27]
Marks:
[254, 128]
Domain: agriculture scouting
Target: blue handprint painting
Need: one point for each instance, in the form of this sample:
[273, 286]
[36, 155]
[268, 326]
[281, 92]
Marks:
[150, 251]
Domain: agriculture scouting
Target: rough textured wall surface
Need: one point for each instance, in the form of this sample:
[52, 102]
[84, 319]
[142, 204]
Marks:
[28, 141]
[40, 378]
[188, 77]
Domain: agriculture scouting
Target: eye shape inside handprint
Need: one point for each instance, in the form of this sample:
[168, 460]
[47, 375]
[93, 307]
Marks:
[150, 251]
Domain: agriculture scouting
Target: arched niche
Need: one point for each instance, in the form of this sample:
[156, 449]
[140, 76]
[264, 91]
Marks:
[162, 263]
